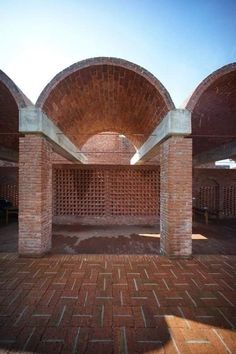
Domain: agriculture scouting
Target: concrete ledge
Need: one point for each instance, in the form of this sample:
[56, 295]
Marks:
[176, 122]
[33, 120]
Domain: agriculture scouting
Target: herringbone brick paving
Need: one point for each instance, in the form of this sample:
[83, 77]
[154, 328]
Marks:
[117, 304]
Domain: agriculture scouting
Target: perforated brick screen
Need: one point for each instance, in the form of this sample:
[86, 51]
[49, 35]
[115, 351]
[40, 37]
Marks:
[208, 197]
[105, 191]
[229, 200]
[9, 192]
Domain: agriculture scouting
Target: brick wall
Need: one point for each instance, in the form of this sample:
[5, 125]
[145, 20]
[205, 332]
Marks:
[35, 195]
[176, 197]
[216, 189]
[106, 194]
[108, 148]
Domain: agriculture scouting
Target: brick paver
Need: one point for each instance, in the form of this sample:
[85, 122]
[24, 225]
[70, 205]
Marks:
[117, 304]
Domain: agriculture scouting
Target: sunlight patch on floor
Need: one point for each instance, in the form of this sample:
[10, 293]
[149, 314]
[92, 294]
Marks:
[194, 236]
[198, 237]
[150, 235]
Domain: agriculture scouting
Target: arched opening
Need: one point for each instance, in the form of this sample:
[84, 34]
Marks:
[107, 107]
[213, 107]
[11, 100]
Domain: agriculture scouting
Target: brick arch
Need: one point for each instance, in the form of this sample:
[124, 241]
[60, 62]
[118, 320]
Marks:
[11, 100]
[213, 107]
[209, 181]
[108, 148]
[106, 94]
[20, 99]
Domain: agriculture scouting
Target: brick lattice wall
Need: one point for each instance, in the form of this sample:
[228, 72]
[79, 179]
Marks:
[208, 196]
[229, 200]
[106, 192]
[215, 189]
[10, 193]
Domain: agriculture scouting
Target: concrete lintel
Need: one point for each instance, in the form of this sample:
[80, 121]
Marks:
[222, 152]
[8, 154]
[33, 120]
[176, 122]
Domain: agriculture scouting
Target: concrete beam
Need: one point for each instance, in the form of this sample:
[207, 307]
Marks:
[222, 152]
[8, 154]
[33, 120]
[176, 122]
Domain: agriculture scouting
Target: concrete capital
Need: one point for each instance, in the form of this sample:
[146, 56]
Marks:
[32, 120]
[176, 122]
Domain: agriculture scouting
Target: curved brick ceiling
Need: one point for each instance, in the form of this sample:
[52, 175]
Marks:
[11, 99]
[213, 106]
[105, 94]
[8, 119]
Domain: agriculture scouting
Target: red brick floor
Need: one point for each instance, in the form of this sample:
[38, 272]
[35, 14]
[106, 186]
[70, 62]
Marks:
[117, 304]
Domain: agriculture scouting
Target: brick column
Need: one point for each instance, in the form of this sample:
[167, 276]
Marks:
[35, 195]
[176, 197]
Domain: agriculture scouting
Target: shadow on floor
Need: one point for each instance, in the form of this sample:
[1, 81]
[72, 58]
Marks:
[215, 238]
[9, 237]
[102, 239]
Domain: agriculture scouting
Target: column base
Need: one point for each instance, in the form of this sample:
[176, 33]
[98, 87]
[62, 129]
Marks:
[34, 255]
[176, 256]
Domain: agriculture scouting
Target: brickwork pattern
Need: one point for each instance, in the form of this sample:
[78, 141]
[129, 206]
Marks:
[106, 192]
[11, 99]
[118, 304]
[35, 195]
[9, 119]
[108, 148]
[213, 99]
[176, 197]
[105, 94]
